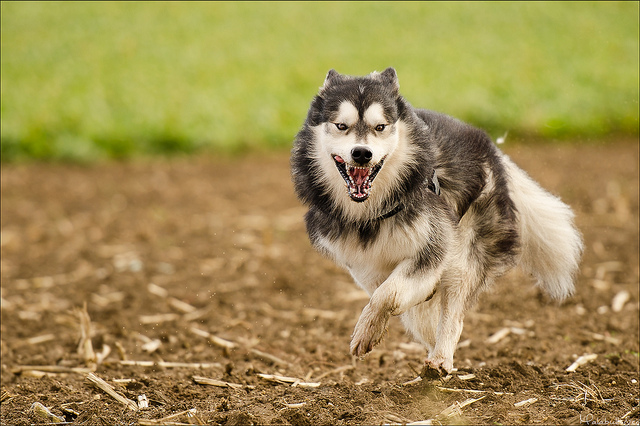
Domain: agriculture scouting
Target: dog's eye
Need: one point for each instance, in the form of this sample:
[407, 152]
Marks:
[341, 126]
[380, 127]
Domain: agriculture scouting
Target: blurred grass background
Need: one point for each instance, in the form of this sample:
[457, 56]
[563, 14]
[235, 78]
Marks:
[91, 80]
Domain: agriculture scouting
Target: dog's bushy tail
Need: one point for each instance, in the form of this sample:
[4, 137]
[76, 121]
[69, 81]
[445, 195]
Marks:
[551, 245]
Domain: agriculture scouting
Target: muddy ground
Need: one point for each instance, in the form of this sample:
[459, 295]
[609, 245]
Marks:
[201, 267]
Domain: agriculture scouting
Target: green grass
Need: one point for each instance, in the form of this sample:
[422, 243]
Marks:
[88, 80]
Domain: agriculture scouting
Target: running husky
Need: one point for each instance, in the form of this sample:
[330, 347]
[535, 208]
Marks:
[423, 210]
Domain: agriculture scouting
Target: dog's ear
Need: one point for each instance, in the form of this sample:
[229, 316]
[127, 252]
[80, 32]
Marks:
[332, 77]
[390, 78]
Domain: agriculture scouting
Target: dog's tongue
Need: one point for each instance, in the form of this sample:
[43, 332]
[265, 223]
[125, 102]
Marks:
[359, 177]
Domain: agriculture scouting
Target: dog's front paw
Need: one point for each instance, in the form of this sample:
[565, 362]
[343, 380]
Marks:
[369, 330]
[435, 369]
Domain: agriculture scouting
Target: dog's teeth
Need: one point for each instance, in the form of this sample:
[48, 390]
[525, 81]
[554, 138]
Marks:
[359, 179]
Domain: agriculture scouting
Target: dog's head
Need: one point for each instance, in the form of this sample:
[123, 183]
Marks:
[355, 124]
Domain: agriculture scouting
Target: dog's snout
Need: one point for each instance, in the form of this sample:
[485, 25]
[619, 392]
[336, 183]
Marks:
[361, 154]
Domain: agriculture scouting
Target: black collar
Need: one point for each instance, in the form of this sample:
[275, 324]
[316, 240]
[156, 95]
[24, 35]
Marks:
[433, 185]
[397, 209]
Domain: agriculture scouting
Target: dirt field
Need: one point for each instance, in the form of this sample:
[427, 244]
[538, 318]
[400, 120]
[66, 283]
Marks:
[201, 268]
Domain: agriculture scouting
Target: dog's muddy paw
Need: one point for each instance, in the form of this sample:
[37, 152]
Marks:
[363, 341]
[433, 370]
[360, 349]
[368, 332]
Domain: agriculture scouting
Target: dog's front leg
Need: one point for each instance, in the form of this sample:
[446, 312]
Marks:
[405, 288]
[457, 290]
[439, 363]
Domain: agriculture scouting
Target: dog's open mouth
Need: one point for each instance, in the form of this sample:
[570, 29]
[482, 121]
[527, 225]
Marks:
[358, 178]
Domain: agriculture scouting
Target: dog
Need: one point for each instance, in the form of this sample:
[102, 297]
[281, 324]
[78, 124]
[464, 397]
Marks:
[423, 210]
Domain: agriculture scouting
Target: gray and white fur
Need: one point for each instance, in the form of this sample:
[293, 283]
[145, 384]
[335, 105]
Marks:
[423, 210]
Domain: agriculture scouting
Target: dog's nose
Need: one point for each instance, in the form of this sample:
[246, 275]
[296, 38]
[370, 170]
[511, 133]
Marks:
[361, 154]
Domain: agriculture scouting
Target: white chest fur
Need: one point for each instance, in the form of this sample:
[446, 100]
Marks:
[372, 262]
